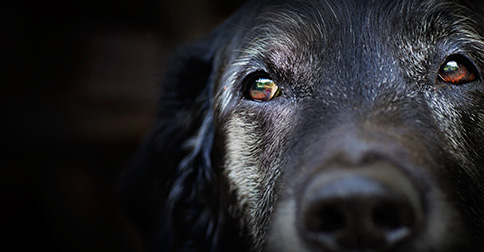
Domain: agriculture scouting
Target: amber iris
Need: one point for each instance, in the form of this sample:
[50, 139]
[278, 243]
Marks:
[456, 72]
[263, 90]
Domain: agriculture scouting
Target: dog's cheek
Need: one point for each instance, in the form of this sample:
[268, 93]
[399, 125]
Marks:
[255, 146]
[453, 120]
[461, 122]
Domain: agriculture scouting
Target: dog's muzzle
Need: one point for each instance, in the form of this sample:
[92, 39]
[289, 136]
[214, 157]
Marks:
[355, 192]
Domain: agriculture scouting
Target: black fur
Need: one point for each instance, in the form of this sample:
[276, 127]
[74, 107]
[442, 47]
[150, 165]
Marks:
[177, 191]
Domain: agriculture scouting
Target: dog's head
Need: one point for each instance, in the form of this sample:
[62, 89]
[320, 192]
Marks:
[321, 125]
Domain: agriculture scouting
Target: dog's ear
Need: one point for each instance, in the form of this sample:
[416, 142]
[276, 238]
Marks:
[166, 182]
[169, 190]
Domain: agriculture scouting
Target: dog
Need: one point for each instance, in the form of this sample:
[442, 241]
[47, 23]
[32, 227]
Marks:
[319, 126]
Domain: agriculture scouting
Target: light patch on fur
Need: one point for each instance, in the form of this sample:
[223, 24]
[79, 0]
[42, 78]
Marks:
[242, 164]
[252, 180]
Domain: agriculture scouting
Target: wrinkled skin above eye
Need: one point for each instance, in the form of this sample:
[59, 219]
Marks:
[457, 72]
[263, 90]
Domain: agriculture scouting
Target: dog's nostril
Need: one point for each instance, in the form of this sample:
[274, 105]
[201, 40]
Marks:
[386, 215]
[326, 219]
[395, 220]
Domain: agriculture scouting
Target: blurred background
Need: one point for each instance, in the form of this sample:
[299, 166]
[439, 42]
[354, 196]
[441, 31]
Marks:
[79, 95]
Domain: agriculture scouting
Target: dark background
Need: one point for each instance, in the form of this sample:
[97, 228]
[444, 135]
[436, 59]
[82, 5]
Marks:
[79, 87]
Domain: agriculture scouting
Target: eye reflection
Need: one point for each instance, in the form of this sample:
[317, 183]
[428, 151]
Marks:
[263, 89]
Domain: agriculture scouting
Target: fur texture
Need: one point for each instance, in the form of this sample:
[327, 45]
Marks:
[360, 87]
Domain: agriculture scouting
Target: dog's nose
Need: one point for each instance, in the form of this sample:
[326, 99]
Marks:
[358, 212]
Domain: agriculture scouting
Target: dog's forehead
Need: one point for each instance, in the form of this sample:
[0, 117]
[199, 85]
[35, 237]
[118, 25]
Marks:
[308, 44]
[296, 36]
[305, 43]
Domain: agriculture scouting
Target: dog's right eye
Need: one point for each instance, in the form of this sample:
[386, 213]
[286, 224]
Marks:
[263, 89]
[457, 70]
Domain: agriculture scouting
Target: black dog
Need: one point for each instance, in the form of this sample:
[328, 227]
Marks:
[320, 126]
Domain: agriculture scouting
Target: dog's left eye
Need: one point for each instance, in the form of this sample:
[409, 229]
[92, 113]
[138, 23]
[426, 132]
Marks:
[457, 70]
[263, 89]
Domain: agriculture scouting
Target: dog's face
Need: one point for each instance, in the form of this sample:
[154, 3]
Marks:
[321, 126]
[353, 125]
